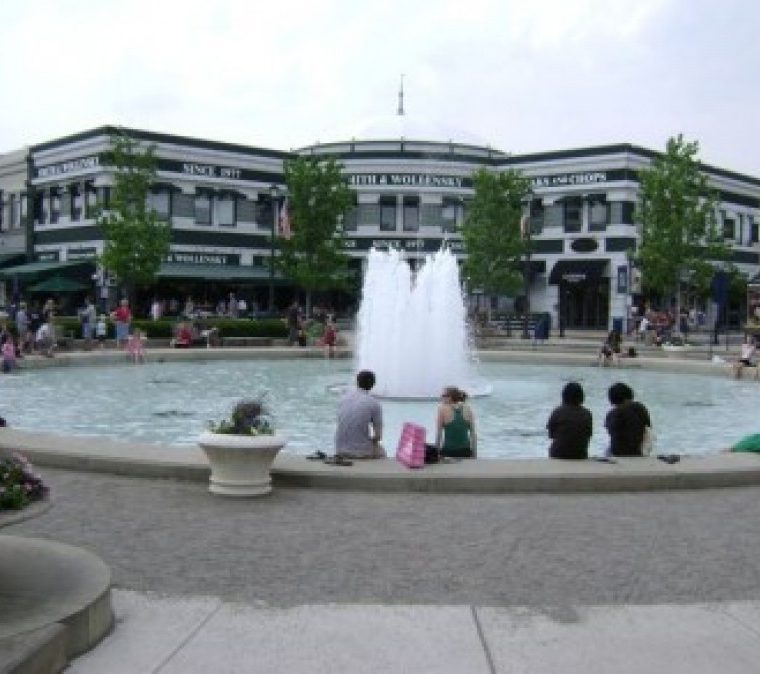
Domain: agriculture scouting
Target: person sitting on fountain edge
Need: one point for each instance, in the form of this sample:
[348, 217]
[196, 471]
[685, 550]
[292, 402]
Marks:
[570, 425]
[455, 426]
[626, 422]
[359, 412]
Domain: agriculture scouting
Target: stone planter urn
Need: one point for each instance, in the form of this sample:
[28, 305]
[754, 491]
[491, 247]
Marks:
[240, 464]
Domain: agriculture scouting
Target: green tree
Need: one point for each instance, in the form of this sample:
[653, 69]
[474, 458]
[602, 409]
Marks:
[318, 199]
[497, 251]
[679, 239]
[135, 240]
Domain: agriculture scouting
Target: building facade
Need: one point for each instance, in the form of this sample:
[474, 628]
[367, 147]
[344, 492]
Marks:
[222, 200]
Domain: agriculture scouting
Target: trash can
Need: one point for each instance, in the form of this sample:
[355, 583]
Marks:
[617, 324]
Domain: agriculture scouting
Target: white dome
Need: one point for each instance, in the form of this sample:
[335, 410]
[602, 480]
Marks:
[411, 127]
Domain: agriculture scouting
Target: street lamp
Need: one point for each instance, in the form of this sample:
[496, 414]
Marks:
[274, 193]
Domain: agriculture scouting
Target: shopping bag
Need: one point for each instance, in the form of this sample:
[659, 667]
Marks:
[411, 445]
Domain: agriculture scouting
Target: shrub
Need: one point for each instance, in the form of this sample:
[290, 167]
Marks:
[19, 485]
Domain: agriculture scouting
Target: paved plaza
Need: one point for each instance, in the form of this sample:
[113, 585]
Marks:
[479, 582]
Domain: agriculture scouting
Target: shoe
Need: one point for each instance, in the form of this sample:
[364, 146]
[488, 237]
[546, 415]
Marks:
[669, 458]
[317, 456]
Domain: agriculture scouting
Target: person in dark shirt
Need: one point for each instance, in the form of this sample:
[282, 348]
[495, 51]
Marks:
[570, 425]
[626, 421]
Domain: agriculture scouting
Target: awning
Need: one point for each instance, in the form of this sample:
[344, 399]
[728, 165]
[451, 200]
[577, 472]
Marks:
[214, 272]
[34, 268]
[577, 270]
[11, 258]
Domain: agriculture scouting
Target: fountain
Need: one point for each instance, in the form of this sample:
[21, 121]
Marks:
[411, 328]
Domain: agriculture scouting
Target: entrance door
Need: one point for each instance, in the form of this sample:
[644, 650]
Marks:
[585, 304]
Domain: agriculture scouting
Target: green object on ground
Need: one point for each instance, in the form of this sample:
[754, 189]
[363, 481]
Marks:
[749, 443]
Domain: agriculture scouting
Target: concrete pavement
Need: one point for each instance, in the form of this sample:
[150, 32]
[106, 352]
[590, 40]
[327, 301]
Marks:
[344, 581]
[204, 634]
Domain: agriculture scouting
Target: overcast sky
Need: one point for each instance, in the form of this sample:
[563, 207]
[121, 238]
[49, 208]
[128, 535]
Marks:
[525, 76]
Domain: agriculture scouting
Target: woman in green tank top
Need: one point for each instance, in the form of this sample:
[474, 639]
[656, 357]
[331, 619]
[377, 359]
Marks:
[455, 427]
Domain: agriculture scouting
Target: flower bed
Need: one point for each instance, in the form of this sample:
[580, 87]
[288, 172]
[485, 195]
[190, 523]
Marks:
[19, 484]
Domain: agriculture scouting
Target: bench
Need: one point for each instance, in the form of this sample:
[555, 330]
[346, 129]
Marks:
[246, 341]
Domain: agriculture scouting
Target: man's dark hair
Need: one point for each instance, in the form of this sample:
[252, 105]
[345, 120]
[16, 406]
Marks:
[619, 393]
[572, 394]
[365, 380]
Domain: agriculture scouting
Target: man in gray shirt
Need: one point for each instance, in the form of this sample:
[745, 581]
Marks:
[357, 414]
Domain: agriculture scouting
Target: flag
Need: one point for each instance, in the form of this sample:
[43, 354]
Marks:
[285, 230]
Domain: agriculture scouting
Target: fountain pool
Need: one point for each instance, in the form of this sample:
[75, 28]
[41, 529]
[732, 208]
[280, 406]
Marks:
[171, 403]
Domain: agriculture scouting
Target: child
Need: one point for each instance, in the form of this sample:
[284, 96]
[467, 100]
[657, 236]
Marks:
[100, 330]
[136, 347]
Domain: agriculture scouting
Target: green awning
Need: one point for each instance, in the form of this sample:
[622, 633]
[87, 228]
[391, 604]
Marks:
[8, 258]
[214, 272]
[34, 268]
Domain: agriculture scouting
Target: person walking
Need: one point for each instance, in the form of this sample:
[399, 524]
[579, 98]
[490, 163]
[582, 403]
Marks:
[122, 318]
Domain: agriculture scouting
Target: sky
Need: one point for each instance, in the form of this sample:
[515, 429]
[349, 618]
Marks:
[522, 75]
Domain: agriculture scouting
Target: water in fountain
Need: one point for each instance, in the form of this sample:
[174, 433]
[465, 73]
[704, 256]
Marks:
[411, 329]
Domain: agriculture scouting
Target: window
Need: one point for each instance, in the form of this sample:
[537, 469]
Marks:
[729, 227]
[553, 215]
[90, 201]
[388, 214]
[536, 216]
[160, 201]
[449, 211]
[411, 214]
[16, 211]
[350, 218]
[183, 205]
[367, 214]
[224, 207]
[573, 214]
[245, 210]
[55, 205]
[753, 228]
[597, 212]
[202, 208]
[104, 196]
[621, 212]
[40, 212]
[66, 199]
[77, 202]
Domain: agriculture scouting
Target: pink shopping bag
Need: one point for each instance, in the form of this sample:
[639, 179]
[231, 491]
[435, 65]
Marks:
[411, 446]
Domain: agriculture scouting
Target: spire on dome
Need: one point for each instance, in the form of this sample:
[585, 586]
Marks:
[400, 110]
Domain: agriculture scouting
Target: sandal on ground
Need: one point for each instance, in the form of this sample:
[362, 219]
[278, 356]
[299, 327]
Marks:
[317, 456]
[338, 461]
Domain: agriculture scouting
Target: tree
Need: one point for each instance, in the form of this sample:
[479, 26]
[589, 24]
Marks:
[679, 239]
[318, 198]
[135, 240]
[497, 251]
